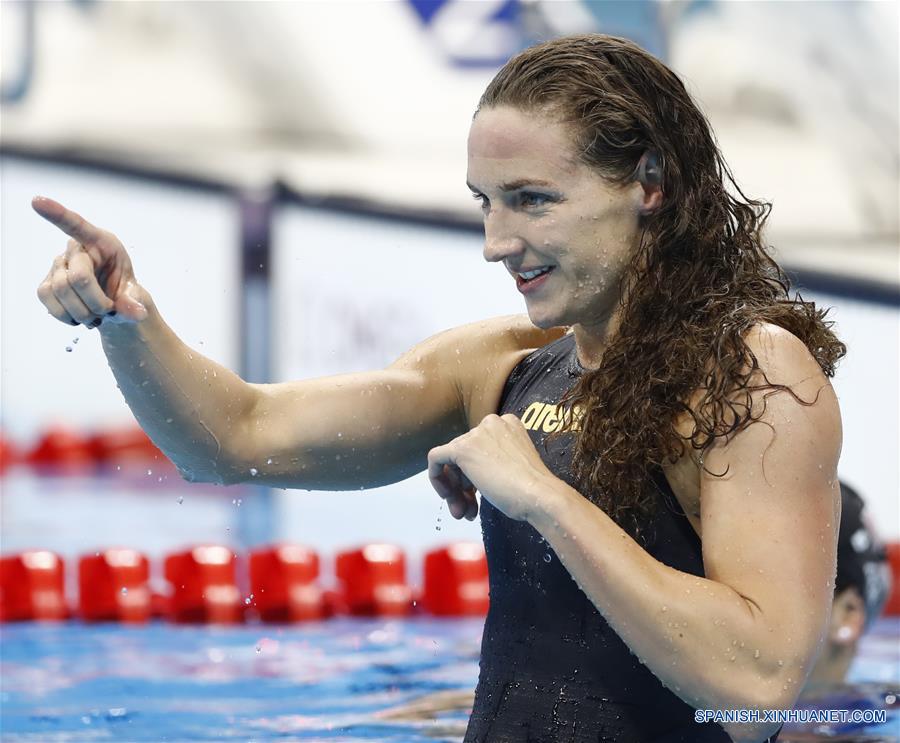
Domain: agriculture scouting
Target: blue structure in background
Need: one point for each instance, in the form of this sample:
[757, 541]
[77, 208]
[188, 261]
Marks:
[472, 34]
[486, 33]
[641, 22]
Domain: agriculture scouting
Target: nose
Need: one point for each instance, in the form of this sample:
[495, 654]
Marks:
[501, 238]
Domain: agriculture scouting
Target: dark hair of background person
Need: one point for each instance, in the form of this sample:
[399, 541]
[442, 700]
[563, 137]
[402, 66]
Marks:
[701, 278]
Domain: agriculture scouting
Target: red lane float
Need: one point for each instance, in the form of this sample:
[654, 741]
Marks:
[125, 446]
[456, 581]
[61, 450]
[283, 584]
[112, 586]
[892, 607]
[32, 587]
[9, 454]
[203, 586]
[373, 581]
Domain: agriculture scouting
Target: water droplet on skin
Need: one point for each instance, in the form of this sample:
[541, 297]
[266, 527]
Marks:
[340, 435]
[269, 461]
[781, 663]
[180, 499]
[149, 472]
[547, 557]
[75, 340]
[254, 472]
[665, 608]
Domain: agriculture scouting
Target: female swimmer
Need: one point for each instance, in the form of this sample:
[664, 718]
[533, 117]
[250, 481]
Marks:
[655, 446]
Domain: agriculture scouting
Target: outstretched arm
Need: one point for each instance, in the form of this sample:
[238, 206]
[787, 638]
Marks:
[184, 401]
[342, 432]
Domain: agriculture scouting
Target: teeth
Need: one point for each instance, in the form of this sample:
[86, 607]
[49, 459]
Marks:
[528, 275]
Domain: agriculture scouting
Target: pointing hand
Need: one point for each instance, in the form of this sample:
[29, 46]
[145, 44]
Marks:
[93, 280]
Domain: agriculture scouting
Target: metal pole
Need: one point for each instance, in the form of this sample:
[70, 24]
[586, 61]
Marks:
[255, 519]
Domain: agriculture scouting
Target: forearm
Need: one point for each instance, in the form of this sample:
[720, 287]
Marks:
[188, 405]
[702, 639]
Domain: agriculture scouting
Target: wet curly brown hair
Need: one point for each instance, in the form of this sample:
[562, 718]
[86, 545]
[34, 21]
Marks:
[701, 278]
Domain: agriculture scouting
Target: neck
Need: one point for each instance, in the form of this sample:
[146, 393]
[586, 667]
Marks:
[592, 339]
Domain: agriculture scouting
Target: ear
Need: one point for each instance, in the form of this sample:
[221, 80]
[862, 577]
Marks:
[649, 176]
[848, 617]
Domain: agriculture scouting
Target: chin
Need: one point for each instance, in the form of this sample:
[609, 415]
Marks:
[544, 320]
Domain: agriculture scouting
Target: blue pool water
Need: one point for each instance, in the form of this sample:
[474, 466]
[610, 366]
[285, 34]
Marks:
[329, 681]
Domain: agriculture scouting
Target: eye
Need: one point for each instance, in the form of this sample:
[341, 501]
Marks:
[533, 199]
[485, 203]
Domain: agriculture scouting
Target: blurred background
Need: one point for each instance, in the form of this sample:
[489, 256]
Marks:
[289, 180]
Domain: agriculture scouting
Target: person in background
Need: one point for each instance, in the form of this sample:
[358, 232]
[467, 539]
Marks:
[860, 591]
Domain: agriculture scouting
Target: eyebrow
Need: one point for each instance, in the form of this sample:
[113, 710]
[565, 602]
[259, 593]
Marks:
[517, 184]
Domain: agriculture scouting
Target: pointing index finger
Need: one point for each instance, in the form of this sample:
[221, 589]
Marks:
[74, 225]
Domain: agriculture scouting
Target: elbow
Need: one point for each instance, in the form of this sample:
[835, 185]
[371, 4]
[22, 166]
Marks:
[777, 691]
[220, 471]
[774, 690]
[228, 471]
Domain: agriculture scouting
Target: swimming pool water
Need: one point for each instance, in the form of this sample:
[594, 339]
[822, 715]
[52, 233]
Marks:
[325, 681]
[328, 681]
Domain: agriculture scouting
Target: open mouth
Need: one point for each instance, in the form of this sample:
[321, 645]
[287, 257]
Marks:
[526, 280]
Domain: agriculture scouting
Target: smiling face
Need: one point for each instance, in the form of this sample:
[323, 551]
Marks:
[546, 211]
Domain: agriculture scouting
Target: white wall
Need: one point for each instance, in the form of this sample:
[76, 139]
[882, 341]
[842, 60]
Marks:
[867, 383]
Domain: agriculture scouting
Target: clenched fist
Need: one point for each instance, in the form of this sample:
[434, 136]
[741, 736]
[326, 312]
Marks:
[93, 281]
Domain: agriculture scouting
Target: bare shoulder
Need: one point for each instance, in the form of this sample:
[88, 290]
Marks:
[783, 357]
[789, 392]
[783, 360]
[479, 357]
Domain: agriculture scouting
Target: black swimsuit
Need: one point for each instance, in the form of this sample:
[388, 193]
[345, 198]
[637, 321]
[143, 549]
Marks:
[552, 669]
